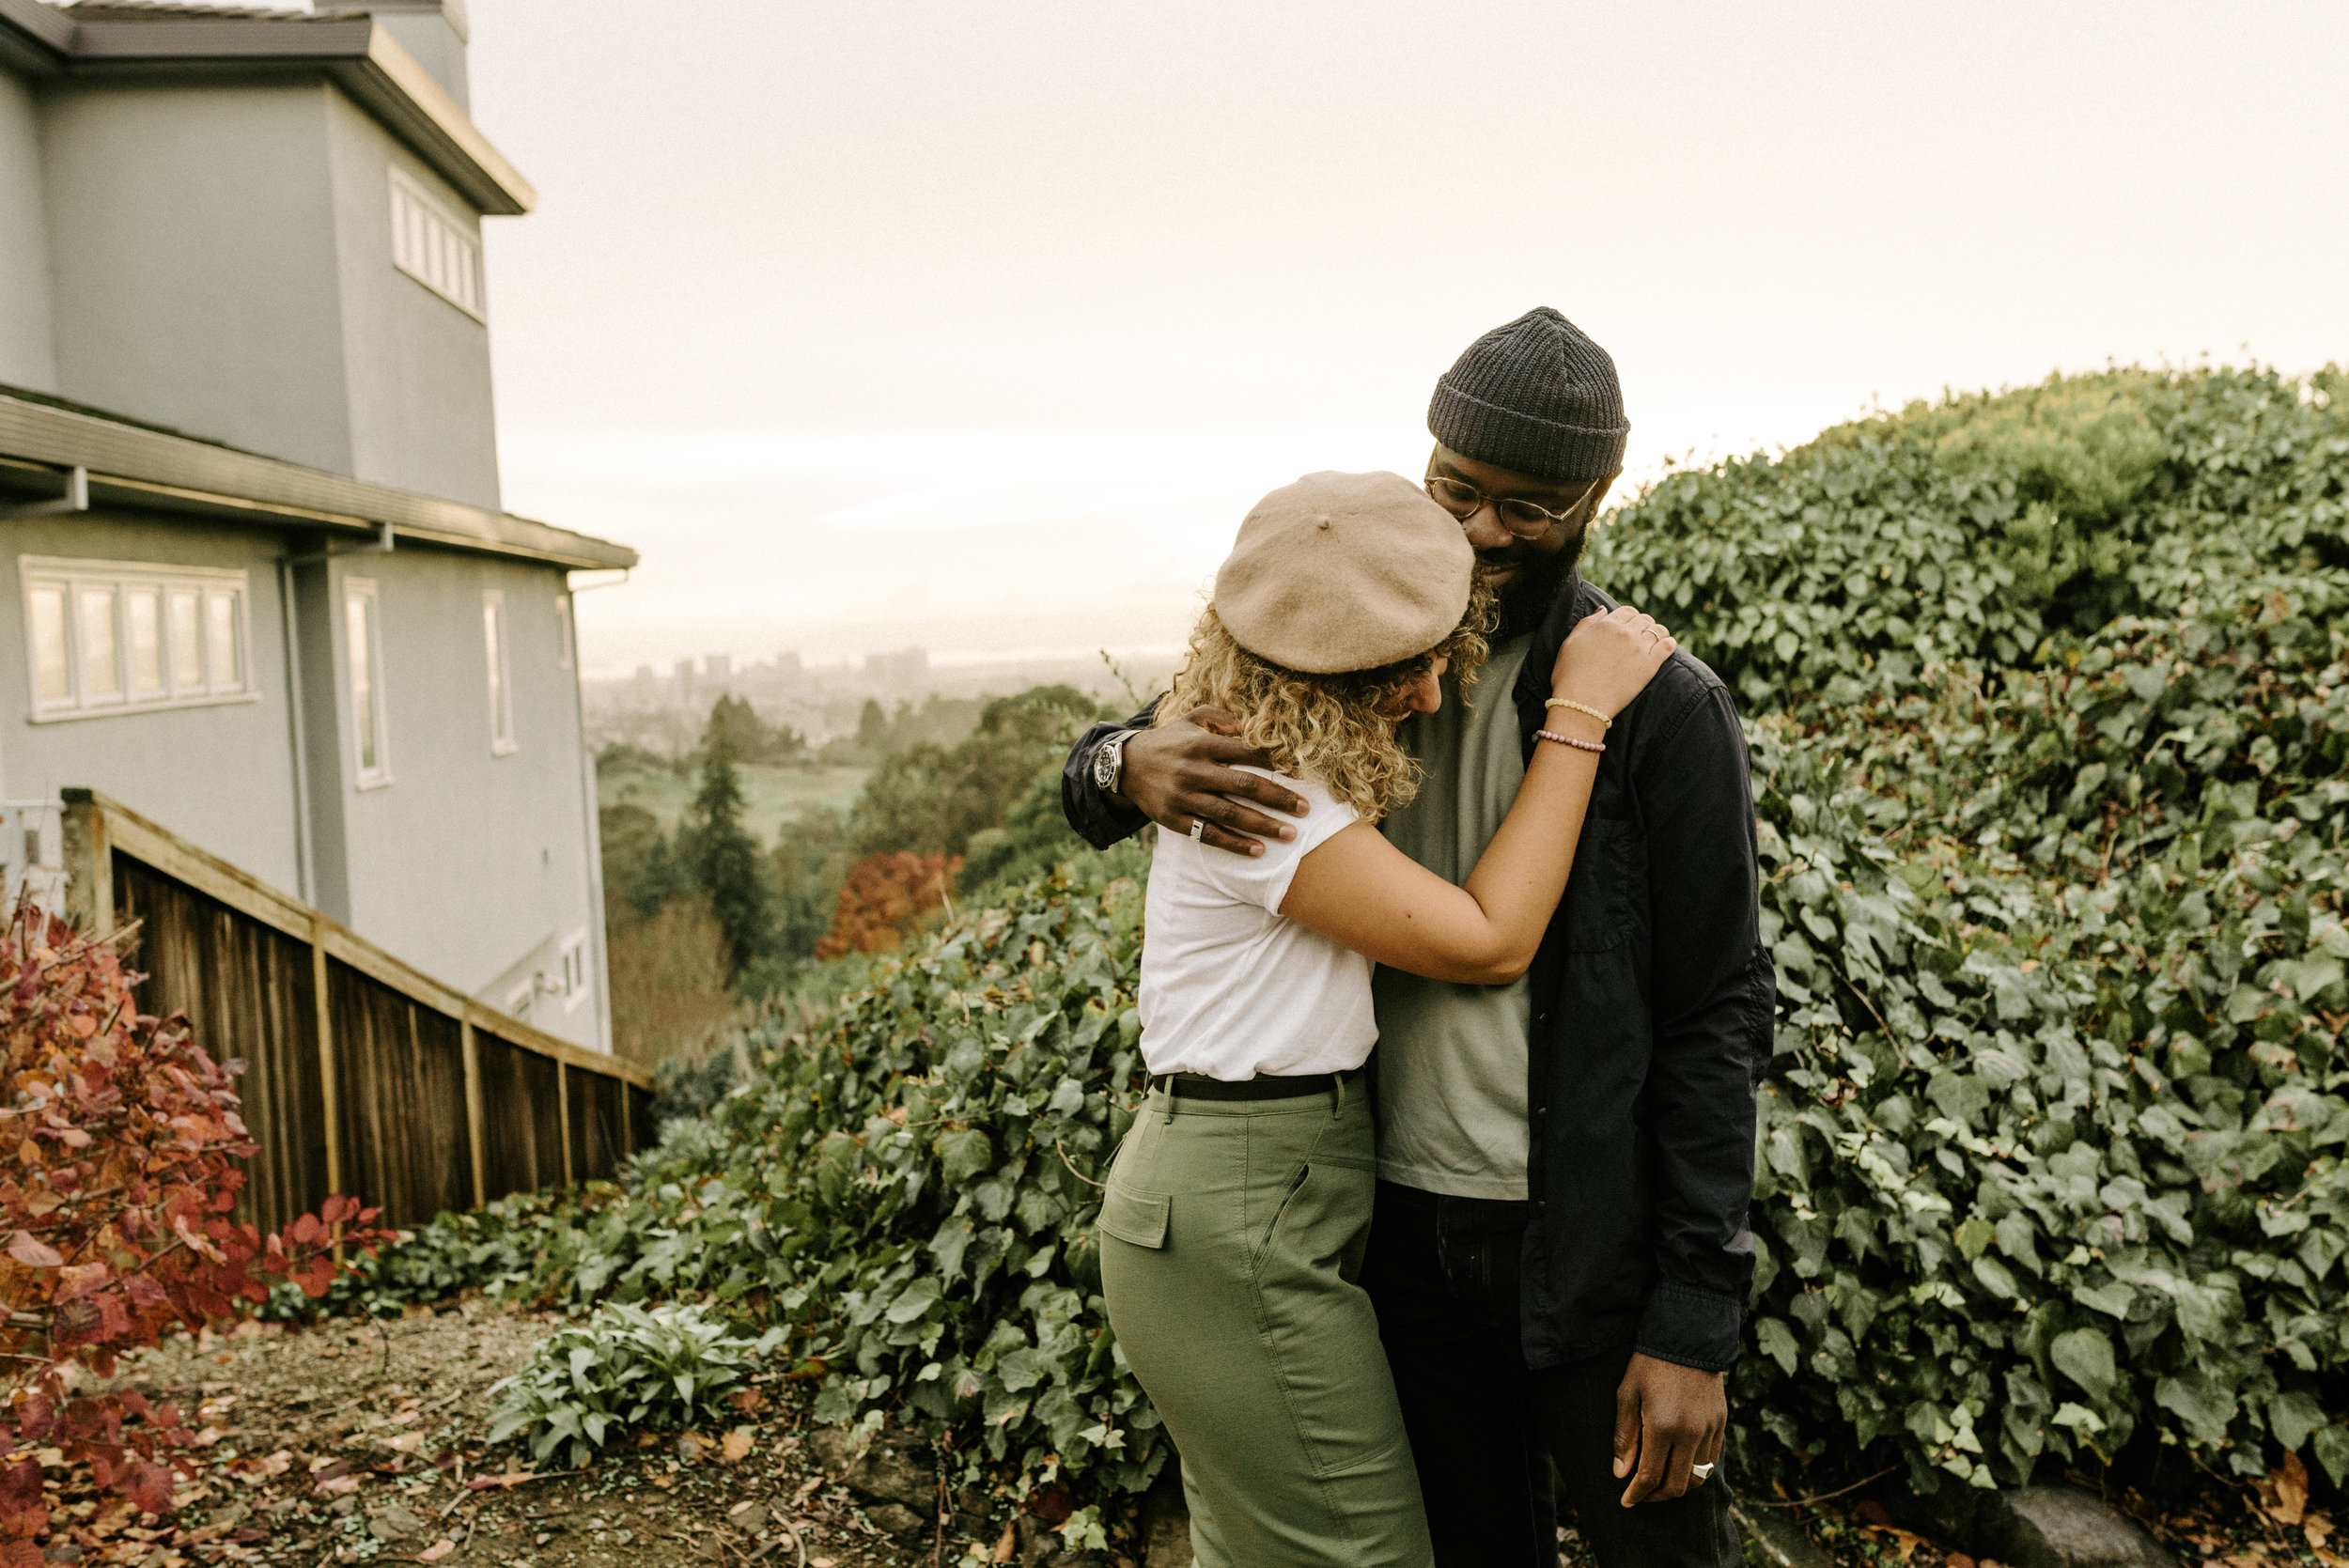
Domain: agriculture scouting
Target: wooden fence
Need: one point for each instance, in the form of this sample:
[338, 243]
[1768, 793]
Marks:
[362, 1074]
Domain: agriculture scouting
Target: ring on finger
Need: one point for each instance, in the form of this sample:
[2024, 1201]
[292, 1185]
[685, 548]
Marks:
[1701, 1473]
[1198, 828]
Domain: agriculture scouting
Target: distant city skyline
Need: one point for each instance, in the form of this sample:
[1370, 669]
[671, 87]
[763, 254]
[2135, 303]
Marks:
[981, 327]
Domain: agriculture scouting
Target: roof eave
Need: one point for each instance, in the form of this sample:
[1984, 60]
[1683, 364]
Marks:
[361, 57]
[129, 465]
[32, 37]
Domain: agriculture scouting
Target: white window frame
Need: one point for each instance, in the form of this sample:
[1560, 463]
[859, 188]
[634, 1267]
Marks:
[378, 719]
[563, 631]
[436, 247]
[573, 963]
[497, 641]
[126, 580]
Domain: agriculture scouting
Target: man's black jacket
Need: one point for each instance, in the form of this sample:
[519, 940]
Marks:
[1653, 999]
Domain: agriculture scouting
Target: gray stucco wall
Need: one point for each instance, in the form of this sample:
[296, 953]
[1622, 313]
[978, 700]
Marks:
[468, 863]
[421, 415]
[219, 775]
[27, 357]
[193, 246]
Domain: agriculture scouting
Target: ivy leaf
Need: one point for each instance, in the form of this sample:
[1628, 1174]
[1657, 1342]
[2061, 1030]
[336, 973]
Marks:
[964, 1155]
[2084, 1356]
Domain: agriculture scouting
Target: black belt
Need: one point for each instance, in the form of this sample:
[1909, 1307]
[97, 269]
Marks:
[1196, 1086]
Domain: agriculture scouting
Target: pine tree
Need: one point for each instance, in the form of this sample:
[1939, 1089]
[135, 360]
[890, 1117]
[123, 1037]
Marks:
[724, 858]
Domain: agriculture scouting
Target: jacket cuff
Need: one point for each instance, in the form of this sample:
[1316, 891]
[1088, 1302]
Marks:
[1099, 817]
[1691, 1329]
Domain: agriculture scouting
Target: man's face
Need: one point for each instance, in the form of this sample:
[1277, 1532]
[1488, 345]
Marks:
[1525, 575]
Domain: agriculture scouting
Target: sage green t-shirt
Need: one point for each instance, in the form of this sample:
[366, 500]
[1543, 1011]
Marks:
[1451, 1057]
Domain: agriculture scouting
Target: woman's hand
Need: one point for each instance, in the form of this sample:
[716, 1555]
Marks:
[1608, 659]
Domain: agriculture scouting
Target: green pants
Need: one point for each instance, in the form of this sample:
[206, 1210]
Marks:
[1232, 1239]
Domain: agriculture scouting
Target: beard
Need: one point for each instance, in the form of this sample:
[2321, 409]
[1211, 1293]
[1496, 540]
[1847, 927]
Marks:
[1541, 577]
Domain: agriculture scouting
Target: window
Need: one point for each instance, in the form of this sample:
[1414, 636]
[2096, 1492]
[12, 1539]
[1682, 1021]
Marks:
[574, 970]
[117, 636]
[362, 651]
[563, 631]
[501, 673]
[432, 245]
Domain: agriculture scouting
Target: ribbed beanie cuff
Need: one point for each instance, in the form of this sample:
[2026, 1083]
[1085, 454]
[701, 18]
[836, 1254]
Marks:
[1536, 396]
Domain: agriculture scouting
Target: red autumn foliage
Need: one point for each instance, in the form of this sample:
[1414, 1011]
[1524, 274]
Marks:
[883, 899]
[121, 1155]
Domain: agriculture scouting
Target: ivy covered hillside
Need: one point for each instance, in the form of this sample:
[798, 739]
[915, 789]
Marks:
[2048, 703]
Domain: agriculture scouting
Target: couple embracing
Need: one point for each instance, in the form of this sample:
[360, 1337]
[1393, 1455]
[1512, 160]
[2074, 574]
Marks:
[1420, 786]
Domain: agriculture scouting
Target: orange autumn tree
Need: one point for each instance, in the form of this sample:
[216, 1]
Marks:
[121, 1156]
[884, 897]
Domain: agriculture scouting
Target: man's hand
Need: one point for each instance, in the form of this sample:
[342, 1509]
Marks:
[1180, 772]
[1666, 1418]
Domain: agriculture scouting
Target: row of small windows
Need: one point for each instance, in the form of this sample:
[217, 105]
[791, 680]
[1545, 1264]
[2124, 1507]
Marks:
[113, 636]
[431, 245]
[106, 636]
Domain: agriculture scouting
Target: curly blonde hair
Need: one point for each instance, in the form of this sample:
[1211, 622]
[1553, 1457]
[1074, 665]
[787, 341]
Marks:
[1329, 726]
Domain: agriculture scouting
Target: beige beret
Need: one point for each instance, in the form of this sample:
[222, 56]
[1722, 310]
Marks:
[1344, 571]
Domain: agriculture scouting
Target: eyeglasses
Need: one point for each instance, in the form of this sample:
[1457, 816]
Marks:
[1519, 516]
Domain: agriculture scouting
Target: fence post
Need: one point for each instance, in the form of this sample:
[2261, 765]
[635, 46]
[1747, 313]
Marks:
[89, 868]
[473, 1110]
[563, 1112]
[323, 1021]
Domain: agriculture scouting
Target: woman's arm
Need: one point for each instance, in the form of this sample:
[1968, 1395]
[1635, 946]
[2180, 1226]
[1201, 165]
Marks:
[1362, 892]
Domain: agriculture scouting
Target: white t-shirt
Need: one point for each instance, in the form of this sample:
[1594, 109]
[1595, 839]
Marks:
[1230, 987]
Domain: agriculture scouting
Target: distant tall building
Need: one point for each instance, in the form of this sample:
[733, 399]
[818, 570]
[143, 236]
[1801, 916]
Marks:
[718, 669]
[788, 664]
[686, 683]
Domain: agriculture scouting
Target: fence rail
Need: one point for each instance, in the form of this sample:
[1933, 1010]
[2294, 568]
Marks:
[362, 1075]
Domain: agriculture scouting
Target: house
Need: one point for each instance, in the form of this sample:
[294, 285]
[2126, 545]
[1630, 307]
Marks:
[256, 582]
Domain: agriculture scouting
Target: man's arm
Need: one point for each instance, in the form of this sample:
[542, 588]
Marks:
[1712, 996]
[1174, 775]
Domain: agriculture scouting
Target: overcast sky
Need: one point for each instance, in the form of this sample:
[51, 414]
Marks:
[979, 325]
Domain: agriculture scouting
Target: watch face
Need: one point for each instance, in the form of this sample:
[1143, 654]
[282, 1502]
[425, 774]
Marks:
[1105, 765]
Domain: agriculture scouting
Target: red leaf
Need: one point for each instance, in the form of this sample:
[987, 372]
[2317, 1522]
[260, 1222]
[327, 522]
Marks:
[21, 1554]
[34, 1253]
[150, 1486]
[20, 1485]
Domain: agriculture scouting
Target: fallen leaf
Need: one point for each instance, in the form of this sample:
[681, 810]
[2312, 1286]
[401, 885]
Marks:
[2286, 1493]
[737, 1446]
[436, 1551]
[511, 1478]
[1005, 1546]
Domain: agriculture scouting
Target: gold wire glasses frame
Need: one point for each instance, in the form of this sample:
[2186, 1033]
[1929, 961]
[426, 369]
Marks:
[1519, 516]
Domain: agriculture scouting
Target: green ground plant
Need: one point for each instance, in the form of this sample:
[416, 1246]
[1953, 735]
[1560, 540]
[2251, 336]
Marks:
[2048, 703]
[626, 1369]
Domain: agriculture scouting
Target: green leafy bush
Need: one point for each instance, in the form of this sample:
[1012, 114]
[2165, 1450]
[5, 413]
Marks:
[2051, 1144]
[627, 1368]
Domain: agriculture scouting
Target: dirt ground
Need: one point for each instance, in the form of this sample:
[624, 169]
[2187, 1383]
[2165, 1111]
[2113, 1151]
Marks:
[352, 1442]
[364, 1442]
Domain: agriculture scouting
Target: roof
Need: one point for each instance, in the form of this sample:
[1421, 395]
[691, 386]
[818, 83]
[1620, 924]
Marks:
[125, 36]
[148, 466]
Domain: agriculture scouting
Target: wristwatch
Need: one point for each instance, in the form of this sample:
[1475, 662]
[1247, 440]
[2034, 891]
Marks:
[1109, 761]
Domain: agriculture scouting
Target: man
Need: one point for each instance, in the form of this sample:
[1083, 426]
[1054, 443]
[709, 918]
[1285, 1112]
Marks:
[1560, 1258]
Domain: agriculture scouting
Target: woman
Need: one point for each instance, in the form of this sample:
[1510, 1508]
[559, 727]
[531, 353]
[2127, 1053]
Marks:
[1238, 1209]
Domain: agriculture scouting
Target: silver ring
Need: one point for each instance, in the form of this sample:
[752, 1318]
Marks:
[1701, 1472]
[1198, 827]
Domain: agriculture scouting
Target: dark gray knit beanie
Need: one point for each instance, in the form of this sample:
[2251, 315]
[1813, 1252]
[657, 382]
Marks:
[1537, 397]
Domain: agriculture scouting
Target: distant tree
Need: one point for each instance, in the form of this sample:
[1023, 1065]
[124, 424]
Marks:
[809, 862]
[884, 898]
[930, 800]
[751, 737]
[872, 728]
[723, 858]
[641, 870]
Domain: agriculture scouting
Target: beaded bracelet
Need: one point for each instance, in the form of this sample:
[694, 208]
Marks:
[1605, 723]
[1570, 740]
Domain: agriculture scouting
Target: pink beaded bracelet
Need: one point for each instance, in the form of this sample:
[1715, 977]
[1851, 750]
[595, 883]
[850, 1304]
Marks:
[1570, 740]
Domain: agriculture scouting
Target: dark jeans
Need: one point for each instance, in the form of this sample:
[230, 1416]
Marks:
[1484, 1431]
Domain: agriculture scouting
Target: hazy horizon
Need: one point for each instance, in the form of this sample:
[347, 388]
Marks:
[980, 330]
